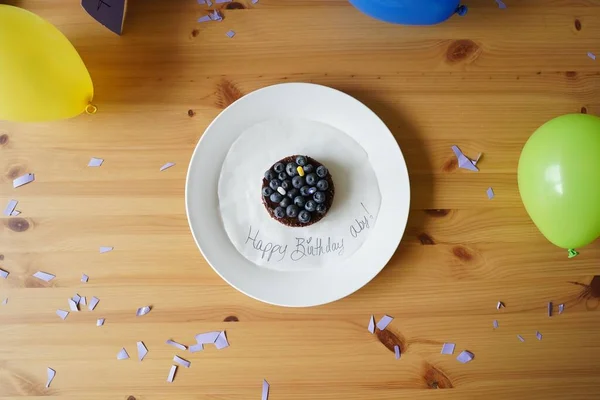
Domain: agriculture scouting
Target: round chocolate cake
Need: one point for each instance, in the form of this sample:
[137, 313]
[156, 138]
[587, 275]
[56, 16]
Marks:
[297, 191]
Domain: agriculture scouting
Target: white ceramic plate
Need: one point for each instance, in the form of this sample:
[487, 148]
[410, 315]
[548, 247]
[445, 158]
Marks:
[315, 286]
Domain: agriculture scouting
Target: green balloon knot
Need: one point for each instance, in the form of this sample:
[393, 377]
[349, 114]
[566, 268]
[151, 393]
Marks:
[573, 253]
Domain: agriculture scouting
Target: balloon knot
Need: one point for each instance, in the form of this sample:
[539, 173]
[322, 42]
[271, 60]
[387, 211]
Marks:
[573, 253]
[91, 109]
[462, 10]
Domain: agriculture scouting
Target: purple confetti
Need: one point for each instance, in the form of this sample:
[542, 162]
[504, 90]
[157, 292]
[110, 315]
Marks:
[397, 351]
[122, 354]
[561, 308]
[95, 162]
[221, 341]
[143, 311]
[538, 335]
[196, 347]
[105, 249]
[209, 3]
[265, 390]
[501, 4]
[167, 166]
[495, 324]
[85, 278]
[591, 55]
[181, 361]
[15, 213]
[172, 373]
[490, 193]
[46, 277]
[465, 357]
[207, 338]
[10, 207]
[83, 301]
[142, 350]
[62, 314]
[100, 321]
[254, 1]
[549, 308]
[93, 303]
[201, 1]
[175, 344]
[230, 34]
[448, 348]
[371, 326]
[500, 305]
[51, 375]
[76, 298]
[222, 1]
[23, 180]
[384, 322]
[204, 18]
[521, 338]
[216, 16]
[3, 273]
[73, 305]
[463, 161]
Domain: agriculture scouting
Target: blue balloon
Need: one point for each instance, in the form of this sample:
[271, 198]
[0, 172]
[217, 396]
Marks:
[410, 12]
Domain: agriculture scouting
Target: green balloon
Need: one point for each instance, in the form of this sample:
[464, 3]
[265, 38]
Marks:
[559, 179]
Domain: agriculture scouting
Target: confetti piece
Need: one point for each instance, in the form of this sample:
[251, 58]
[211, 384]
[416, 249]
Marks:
[142, 350]
[448, 348]
[591, 55]
[465, 357]
[231, 34]
[15, 213]
[167, 166]
[501, 4]
[122, 354]
[175, 344]
[105, 249]
[201, 1]
[215, 16]
[196, 347]
[83, 301]
[143, 311]
[495, 324]
[84, 278]
[181, 361]
[23, 180]
[371, 326]
[207, 338]
[76, 298]
[538, 335]
[3, 273]
[222, 1]
[397, 351]
[521, 338]
[384, 322]
[172, 373]
[5, 301]
[10, 207]
[62, 314]
[561, 308]
[221, 341]
[73, 305]
[500, 305]
[51, 375]
[490, 193]
[209, 3]
[205, 18]
[549, 308]
[46, 277]
[463, 161]
[254, 1]
[265, 390]
[95, 162]
[93, 303]
[100, 322]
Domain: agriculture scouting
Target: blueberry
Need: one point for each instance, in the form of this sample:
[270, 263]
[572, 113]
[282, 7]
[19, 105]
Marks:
[308, 168]
[312, 190]
[310, 205]
[321, 209]
[292, 211]
[292, 193]
[319, 197]
[266, 191]
[322, 172]
[304, 216]
[285, 202]
[298, 181]
[300, 201]
[270, 175]
[301, 161]
[311, 179]
[322, 185]
[291, 169]
[304, 190]
[275, 183]
[287, 185]
[282, 176]
[279, 212]
[275, 197]
[279, 167]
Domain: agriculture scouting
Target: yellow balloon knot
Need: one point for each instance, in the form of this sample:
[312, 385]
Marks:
[91, 109]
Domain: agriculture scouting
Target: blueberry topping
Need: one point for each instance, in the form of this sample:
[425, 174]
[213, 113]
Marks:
[275, 197]
[292, 193]
[310, 206]
[287, 185]
[312, 190]
[311, 179]
[279, 212]
[319, 197]
[274, 184]
[308, 168]
[304, 190]
[322, 185]
[304, 216]
[286, 201]
[321, 209]
[322, 172]
[266, 191]
[301, 161]
[298, 181]
[291, 169]
[279, 167]
[292, 211]
[282, 176]
[270, 175]
[300, 201]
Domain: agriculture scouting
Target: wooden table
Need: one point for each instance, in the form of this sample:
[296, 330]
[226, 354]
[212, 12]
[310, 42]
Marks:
[484, 82]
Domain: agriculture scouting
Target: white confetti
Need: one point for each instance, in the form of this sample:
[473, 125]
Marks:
[83, 301]
[143, 311]
[51, 375]
[172, 373]
[384, 322]
[222, 1]
[95, 162]
[207, 338]
[448, 348]
[500, 305]
[84, 278]
[538, 335]
[142, 350]
[591, 55]
[521, 338]
[231, 34]
[495, 324]
[196, 347]
[100, 322]
[175, 344]
[73, 305]
[204, 18]
[62, 314]
[170, 164]
[3, 273]
[221, 341]
[371, 327]
[5, 301]
[465, 356]
[10, 207]
[209, 3]
[46, 277]
[76, 298]
[23, 180]
[254, 1]
[181, 361]
[397, 351]
[105, 249]
[15, 213]
[93, 303]
[122, 354]
[265, 390]
[561, 308]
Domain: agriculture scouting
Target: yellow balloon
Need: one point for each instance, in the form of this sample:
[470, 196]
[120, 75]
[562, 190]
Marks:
[42, 77]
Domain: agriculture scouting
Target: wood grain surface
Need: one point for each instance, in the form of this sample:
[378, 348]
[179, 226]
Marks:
[485, 82]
